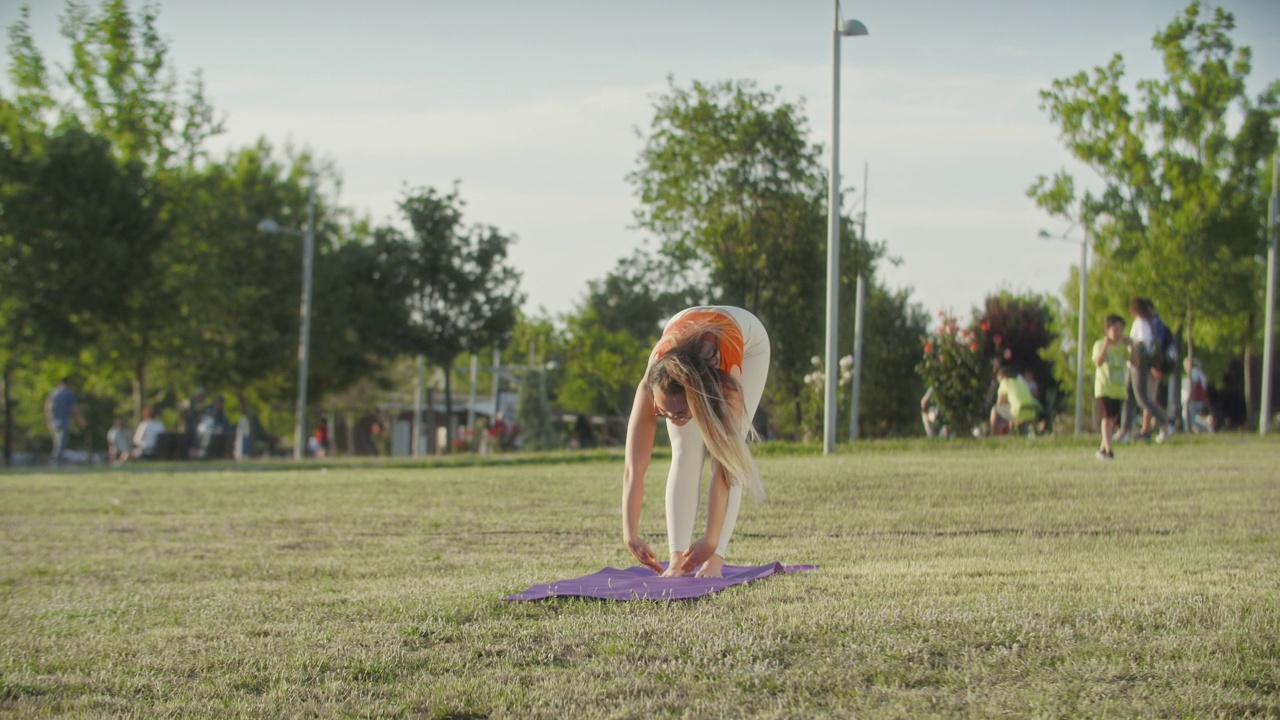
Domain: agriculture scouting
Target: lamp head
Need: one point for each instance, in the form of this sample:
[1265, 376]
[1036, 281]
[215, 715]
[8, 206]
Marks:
[852, 28]
[1044, 233]
[269, 226]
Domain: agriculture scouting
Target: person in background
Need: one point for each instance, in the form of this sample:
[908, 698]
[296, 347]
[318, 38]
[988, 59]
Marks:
[1140, 379]
[319, 443]
[192, 414]
[1033, 387]
[119, 442]
[1014, 404]
[931, 415]
[146, 434]
[60, 408]
[1110, 360]
[1195, 396]
[583, 433]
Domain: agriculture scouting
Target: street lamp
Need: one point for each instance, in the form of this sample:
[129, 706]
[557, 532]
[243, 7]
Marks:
[1084, 284]
[1273, 234]
[849, 28]
[304, 336]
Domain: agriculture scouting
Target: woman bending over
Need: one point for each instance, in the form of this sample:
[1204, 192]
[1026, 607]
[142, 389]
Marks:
[704, 377]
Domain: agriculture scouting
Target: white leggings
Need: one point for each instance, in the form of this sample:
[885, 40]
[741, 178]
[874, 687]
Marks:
[688, 452]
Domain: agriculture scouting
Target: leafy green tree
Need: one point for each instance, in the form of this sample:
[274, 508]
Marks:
[464, 296]
[890, 385]
[607, 339]
[642, 291]
[362, 310]
[120, 90]
[126, 91]
[729, 182]
[84, 234]
[1179, 217]
[1014, 330]
[604, 365]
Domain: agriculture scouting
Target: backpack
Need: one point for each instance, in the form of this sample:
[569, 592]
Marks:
[1165, 357]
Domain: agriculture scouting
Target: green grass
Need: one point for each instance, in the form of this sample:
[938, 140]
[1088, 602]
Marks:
[1010, 578]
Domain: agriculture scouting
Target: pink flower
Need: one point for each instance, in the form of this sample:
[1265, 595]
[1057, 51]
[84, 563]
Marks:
[998, 338]
[1008, 353]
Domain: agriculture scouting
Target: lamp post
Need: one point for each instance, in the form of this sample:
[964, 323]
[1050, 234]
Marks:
[848, 28]
[858, 311]
[1268, 348]
[304, 334]
[1081, 308]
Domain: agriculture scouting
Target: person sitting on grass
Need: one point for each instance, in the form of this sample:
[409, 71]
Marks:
[1111, 357]
[147, 434]
[705, 378]
[1015, 405]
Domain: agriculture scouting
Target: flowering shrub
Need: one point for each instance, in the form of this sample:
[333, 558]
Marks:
[812, 403]
[953, 365]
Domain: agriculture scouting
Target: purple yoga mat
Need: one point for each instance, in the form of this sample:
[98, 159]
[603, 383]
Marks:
[641, 583]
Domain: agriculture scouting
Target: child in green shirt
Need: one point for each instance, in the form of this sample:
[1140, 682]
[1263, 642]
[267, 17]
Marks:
[1111, 355]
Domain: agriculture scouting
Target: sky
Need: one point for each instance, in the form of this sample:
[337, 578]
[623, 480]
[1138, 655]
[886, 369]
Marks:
[536, 108]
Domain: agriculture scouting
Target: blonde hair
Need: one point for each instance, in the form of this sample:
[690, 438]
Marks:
[691, 367]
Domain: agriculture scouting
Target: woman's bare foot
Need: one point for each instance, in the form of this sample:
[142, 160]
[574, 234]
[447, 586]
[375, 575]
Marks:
[711, 568]
[673, 567]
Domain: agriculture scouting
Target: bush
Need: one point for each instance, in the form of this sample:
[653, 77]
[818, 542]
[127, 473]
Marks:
[953, 366]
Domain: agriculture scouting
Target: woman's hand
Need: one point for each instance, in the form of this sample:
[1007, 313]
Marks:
[641, 551]
[699, 552]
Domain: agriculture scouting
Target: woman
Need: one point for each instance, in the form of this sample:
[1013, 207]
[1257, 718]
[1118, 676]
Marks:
[704, 377]
[1143, 384]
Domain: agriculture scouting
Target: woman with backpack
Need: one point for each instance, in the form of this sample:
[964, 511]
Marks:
[1142, 382]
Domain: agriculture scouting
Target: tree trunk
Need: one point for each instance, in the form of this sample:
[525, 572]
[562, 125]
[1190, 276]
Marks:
[1250, 407]
[799, 415]
[1191, 345]
[139, 391]
[140, 380]
[7, 380]
[448, 407]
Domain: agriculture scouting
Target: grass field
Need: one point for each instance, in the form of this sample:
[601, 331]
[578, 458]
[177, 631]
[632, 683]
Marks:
[958, 579]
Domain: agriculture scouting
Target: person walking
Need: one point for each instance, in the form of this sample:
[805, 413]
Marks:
[1143, 383]
[704, 377]
[1111, 359]
[60, 407]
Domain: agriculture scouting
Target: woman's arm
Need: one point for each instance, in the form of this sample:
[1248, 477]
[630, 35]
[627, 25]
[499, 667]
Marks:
[641, 428]
[717, 507]
[717, 500]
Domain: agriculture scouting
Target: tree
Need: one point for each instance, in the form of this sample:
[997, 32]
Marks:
[464, 296]
[119, 90]
[729, 182]
[607, 339]
[1179, 218]
[238, 287]
[890, 384]
[362, 309]
[126, 90]
[535, 354]
[954, 367]
[604, 365]
[1015, 330]
[642, 291]
[82, 228]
